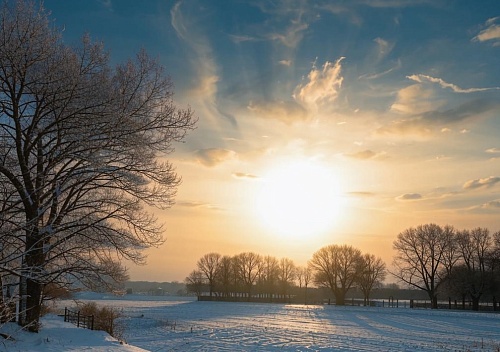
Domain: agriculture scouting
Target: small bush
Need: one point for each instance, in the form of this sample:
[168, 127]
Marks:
[104, 317]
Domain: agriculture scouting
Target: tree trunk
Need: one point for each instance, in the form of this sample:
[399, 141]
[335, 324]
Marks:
[475, 303]
[434, 302]
[31, 287]
[339, 298]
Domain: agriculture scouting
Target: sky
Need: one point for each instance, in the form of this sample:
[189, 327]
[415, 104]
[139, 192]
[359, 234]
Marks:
[320, 122]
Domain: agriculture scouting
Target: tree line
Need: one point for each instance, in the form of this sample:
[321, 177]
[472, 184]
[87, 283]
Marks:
[338, 267]
[440, 260]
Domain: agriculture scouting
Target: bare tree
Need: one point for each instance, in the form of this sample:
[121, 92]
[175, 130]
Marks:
[474, 274]
[372, 271]
[209, 265]
[336, 267]
[195, 282]
[249, 266]
[422, 256]
[80, 144]
[223, 278]
[286, 274]
[268, 276]
[304, 277]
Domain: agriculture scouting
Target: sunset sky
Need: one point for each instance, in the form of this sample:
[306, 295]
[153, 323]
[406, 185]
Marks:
[320, 122]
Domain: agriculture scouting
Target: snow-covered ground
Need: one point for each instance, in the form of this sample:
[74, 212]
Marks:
[180, 324]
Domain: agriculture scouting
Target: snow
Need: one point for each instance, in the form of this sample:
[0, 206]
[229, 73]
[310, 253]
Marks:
[56, 335]
[184, 324]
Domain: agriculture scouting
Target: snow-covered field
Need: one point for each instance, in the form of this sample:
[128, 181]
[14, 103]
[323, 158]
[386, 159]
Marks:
[179, 324]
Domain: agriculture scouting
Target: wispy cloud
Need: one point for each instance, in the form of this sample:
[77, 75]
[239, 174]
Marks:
[196, 205]
[213, 156]
[420, 78]
[362, 194]
[206, 79]
[426, 122]
[243, 175]
[285, 62]
[491, 32]
[365, 155]
[494, 204]
[321, 85]
[410, 196]
[284, 111]
[482, 182]
[493, 150]
[384, 47]
[396, 3]
[292, 36]
[416, 99]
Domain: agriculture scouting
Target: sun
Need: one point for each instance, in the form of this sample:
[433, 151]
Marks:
[299, 199]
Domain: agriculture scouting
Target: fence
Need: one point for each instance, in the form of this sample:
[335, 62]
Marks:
[80, 320]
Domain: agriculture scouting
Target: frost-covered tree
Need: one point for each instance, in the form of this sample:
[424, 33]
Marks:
[82, 147]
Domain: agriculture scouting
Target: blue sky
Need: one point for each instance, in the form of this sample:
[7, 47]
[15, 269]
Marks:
[396, 102]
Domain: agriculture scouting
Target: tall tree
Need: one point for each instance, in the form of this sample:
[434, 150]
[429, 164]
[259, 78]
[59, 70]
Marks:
[268, 276]
[209, 265]
[422, 257]
[286, 274]
[80, 144]
[372, 271]
[249, 266]
[304, 277]
[475, 267]
[336, 267]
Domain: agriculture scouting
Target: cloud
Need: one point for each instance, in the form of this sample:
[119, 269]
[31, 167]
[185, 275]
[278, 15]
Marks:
[206, 79]
[365, 155]
[493, 150]
[482, 183]
[396, 3]
[362, 194]
[242, 38]
[287, 63]
[244, 175]
[410, 196]
[420, 78]
[285, 111]
[292, 36]
[397, 66]
[490, 33]
[424, 123]
[321, 86]
[213, 156]
[416, 99]
[494, 204]
[384, 47]
[196, 204]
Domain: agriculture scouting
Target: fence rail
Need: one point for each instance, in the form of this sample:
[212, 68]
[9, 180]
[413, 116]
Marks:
[80, 320]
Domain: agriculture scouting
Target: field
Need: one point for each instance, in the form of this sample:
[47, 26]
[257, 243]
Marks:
[162, 324]
[186, 325]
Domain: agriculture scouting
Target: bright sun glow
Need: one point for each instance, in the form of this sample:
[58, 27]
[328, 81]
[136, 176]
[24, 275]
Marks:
[299, 199]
